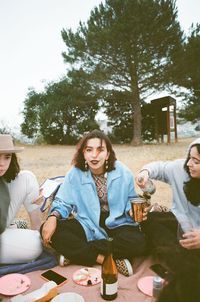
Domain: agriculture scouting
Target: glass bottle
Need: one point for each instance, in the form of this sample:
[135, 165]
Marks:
[148, 189]
[109, 275]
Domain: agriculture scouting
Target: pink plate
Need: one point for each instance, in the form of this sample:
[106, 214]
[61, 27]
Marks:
[145, 284]
[87, 276]
[14, 284]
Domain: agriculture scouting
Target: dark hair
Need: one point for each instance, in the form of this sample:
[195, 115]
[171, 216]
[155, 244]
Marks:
[184, 287]
[79, 160]
[13, 169]
[192, 186]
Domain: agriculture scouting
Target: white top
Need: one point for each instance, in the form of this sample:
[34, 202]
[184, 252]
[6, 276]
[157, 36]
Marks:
[23, 190]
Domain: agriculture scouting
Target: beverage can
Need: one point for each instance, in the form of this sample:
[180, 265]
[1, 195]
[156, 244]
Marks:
[157, 286]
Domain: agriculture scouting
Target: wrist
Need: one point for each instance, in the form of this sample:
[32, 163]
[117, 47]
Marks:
[55, 214]
[145, 171]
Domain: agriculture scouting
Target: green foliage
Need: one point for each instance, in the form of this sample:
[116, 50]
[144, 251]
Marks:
[62, 113]
[122, 122]
[191, 111]
[127, 50]
[189, 64]
[127, 46]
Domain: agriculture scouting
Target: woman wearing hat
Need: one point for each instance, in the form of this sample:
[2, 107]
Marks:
[17, 188]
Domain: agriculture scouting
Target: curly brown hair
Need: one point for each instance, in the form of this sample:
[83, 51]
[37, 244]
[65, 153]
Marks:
[13, 169]
[79, 160]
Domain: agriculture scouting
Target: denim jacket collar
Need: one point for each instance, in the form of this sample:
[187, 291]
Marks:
[86, 177]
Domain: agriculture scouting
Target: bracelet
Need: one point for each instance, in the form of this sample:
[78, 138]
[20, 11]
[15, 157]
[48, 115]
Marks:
[55, 214]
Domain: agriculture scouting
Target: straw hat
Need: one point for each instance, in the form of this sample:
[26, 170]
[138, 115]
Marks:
[7, 146]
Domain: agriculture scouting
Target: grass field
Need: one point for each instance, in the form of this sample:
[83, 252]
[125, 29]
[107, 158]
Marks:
[48, 161]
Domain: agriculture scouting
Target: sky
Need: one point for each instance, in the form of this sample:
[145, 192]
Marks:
[31, 45]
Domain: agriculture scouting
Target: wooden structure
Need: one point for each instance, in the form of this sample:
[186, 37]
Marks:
[164, 110]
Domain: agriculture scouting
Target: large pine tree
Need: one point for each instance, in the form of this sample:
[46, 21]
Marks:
[126, 46]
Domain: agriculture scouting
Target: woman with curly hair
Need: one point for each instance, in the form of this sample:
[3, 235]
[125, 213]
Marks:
[97, 189]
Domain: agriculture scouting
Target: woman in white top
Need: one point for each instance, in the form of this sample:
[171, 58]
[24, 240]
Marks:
[17, 188]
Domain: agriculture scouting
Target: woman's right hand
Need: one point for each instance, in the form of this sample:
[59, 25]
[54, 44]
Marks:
[48, 229]
[142, 178]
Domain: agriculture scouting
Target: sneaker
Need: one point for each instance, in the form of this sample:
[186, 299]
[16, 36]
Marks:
[63, 261]
[19, 224]
[124, 267]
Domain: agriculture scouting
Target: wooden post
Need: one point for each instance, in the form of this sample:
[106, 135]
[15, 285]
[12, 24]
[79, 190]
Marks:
[168, 125]
[175, 125]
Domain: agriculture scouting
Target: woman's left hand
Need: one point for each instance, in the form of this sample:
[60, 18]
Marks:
[191, 240]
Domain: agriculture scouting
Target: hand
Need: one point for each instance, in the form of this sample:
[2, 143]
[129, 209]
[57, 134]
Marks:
[191, 239]
[40, 198]
[142, 178]
[144, 214]
[48, 230]
[146, 211]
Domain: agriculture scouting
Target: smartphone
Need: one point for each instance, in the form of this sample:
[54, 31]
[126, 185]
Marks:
[161, 271]
[51, 275]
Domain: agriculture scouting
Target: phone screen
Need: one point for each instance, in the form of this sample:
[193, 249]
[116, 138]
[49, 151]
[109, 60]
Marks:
[160, 271]
[50, 275]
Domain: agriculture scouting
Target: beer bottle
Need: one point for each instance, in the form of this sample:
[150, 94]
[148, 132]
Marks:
[109, 275]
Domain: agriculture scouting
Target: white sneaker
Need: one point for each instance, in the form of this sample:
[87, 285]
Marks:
[63, 261]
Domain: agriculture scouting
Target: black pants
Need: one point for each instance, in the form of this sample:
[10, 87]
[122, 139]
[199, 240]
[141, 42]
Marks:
[70, 240]
[161, 235]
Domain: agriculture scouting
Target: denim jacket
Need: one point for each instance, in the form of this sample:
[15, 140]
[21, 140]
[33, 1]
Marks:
[78, 192]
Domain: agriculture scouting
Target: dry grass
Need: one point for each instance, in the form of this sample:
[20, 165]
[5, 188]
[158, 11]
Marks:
[49, 161]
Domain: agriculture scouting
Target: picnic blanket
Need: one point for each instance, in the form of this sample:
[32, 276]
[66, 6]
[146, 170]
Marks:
[127, 292]
[44, 261]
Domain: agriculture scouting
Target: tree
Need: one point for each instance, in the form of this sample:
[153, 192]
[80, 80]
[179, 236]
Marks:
[190, 65]
[62, 113]
[127, 46]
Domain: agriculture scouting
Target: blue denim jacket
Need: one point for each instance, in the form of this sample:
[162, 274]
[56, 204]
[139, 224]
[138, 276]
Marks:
[78, 192]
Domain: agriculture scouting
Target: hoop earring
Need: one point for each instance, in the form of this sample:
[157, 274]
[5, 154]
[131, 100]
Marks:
[106, 165]
[86, 165]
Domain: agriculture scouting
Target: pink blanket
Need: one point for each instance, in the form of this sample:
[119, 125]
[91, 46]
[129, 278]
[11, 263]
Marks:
[127, 292]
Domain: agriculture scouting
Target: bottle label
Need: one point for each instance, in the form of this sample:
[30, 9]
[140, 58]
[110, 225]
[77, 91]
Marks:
[109, 289]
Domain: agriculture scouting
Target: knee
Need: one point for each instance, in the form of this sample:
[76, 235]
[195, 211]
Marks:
[20, 245]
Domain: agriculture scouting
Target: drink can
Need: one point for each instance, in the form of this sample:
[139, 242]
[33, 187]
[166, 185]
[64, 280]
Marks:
[138, 205]
[157, 286]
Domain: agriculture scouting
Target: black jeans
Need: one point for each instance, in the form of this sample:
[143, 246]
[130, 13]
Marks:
[70, 240]
[160, 229]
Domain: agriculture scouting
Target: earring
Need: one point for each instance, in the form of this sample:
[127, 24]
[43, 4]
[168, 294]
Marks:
[106, 165]
[86, 165]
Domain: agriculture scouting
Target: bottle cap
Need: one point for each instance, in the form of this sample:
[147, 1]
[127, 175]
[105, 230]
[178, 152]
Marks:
[157, 282]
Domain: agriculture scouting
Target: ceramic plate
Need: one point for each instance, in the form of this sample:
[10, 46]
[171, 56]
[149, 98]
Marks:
[145, 284]
[70, 297]
[87, 276]
[14, 284]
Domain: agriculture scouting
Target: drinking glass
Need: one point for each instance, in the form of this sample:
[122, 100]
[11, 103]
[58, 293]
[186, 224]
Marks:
[138, 204]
